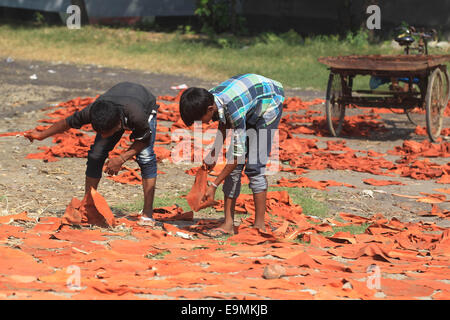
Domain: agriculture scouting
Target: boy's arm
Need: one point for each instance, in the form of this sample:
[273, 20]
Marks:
[57, 127]
[114, 165]
[211, 159]
[133, 150]
[229, 167]
[211, 190]
[141, 135]
[239, 137]
[76, 120]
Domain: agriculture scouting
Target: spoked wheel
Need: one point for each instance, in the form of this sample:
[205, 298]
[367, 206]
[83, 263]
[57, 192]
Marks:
[446, 79]
[416, 115]
[335, 111]
[434, 101]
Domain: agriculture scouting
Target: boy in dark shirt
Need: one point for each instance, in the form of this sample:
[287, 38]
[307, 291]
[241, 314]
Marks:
[125, 106]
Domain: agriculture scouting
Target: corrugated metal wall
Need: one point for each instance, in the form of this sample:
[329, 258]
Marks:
[43, 5]
[140, 8]
[112, 8]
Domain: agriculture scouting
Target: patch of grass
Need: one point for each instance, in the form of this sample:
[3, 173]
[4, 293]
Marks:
[300, 240]
[4, 198]
[353, 229]
[158, 256]
[308, 199]
[288, 57]
[164, 201]
[199, 248]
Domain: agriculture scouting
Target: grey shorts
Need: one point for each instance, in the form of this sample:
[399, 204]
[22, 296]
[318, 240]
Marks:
[259, 146]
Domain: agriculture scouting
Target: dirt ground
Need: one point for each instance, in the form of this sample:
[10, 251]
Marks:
[45, 189]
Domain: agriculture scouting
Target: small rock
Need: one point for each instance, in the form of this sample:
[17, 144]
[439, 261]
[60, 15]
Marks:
[274, 271]
[368, 193]
[184, 235]
[347, 285]
[311, 291]
[405, 206]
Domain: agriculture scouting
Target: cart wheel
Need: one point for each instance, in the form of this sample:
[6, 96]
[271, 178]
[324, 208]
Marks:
[416, 115]
[434, 104]
[335, 112]
[446, 78]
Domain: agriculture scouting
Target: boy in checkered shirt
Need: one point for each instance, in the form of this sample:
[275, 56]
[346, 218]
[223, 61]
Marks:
[241, 103]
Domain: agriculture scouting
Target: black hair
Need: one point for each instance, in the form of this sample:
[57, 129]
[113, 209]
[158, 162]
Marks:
[105, 115]
[194, 103]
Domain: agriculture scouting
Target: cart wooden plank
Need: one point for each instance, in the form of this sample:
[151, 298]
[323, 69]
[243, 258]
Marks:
[398, 63]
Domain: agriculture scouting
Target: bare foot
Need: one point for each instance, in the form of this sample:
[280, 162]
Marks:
[145, 220]
[261, 228]
[228, 228]
[217, 233]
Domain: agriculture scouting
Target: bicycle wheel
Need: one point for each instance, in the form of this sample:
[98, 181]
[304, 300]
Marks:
[436, 92]
[335, 111]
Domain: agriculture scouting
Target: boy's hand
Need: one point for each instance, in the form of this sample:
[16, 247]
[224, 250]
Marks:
[210, 194]
[113, 165]
[33, 135]
[209, 166]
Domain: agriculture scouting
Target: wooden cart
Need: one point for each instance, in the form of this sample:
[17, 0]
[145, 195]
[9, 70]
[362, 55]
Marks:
[427, 87]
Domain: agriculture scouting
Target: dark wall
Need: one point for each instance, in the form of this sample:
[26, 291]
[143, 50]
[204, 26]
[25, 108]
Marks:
[13, 15]
[338, 16]
[304, 16]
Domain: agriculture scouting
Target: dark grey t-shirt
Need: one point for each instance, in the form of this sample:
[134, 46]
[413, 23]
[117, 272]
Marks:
[136, 103]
